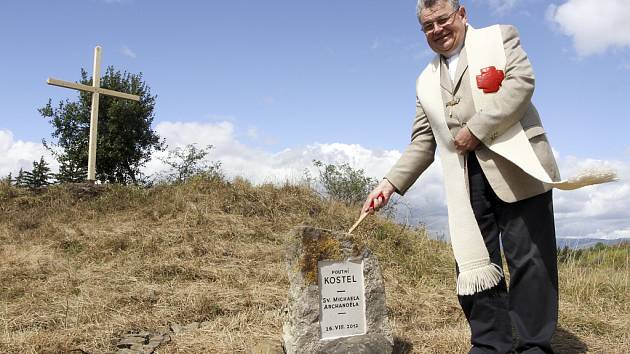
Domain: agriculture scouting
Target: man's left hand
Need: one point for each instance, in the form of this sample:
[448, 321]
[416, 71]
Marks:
[465, 141]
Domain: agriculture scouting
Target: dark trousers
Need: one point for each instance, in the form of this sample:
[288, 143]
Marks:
[525, 230]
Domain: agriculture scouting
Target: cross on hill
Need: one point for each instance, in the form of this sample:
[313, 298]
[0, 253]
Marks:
[96, 91]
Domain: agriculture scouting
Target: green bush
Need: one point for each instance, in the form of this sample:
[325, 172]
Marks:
[344, 183]
[191, 161]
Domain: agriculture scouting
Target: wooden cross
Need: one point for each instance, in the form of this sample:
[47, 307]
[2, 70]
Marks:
[96, 92]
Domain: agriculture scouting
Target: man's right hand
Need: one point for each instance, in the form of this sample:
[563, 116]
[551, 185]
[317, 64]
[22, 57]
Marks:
[380, 196]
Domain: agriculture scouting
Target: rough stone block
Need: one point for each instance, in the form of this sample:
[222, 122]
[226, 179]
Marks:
[309, 248]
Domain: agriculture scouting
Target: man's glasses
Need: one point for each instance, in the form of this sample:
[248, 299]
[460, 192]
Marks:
[429, 27]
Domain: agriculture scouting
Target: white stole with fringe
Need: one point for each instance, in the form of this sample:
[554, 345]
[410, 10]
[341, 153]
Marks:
[484, 48]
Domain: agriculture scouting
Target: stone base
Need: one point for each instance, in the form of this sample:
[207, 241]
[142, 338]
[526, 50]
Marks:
[365, 344]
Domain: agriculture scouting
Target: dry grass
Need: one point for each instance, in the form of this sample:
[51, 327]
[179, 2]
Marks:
[78, 271]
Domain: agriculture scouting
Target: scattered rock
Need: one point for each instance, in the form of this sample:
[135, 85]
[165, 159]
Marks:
[142, 342]
[129, 341]
[157, 338]
[145, 342]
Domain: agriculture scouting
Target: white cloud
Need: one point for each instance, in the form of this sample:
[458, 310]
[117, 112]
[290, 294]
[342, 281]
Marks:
[126, 51]
[595, 25]
[16, 154]
[260, 166]
[595, 211]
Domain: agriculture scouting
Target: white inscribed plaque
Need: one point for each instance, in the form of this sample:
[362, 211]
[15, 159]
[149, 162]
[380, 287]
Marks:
[342, 299]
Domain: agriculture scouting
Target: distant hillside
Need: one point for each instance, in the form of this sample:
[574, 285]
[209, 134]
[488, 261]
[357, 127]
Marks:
[581, 243]
[82, 267]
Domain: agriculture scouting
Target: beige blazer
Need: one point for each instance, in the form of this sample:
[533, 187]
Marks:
[512, 105]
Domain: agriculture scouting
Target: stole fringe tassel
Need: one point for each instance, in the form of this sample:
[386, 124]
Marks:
[479, 279]
[589, 177]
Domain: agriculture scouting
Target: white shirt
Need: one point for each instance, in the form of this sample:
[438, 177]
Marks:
[452, 64]
[452, 61]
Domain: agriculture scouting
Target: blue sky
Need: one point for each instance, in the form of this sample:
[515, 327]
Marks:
[274, 79]
[298, 71]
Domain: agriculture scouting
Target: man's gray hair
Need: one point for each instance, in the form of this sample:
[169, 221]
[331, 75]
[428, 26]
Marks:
[430, 3]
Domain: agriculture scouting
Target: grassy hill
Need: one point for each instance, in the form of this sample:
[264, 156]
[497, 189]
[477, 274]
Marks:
[79, 268]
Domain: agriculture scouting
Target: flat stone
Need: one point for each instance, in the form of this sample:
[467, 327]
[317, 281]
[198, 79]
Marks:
[156, 336]
[154, 343]
[143, 342]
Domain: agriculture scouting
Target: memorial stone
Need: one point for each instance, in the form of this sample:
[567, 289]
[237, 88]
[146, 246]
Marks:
[336, 301]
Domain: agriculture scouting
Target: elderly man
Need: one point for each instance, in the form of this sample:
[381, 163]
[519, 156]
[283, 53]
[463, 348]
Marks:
[473, 100]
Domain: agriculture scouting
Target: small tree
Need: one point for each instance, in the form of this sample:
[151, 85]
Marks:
[190, 161]
[19, 180]
[38, 177]
[70, 171]
[8, 179]
[344, 183]
[125, 138]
